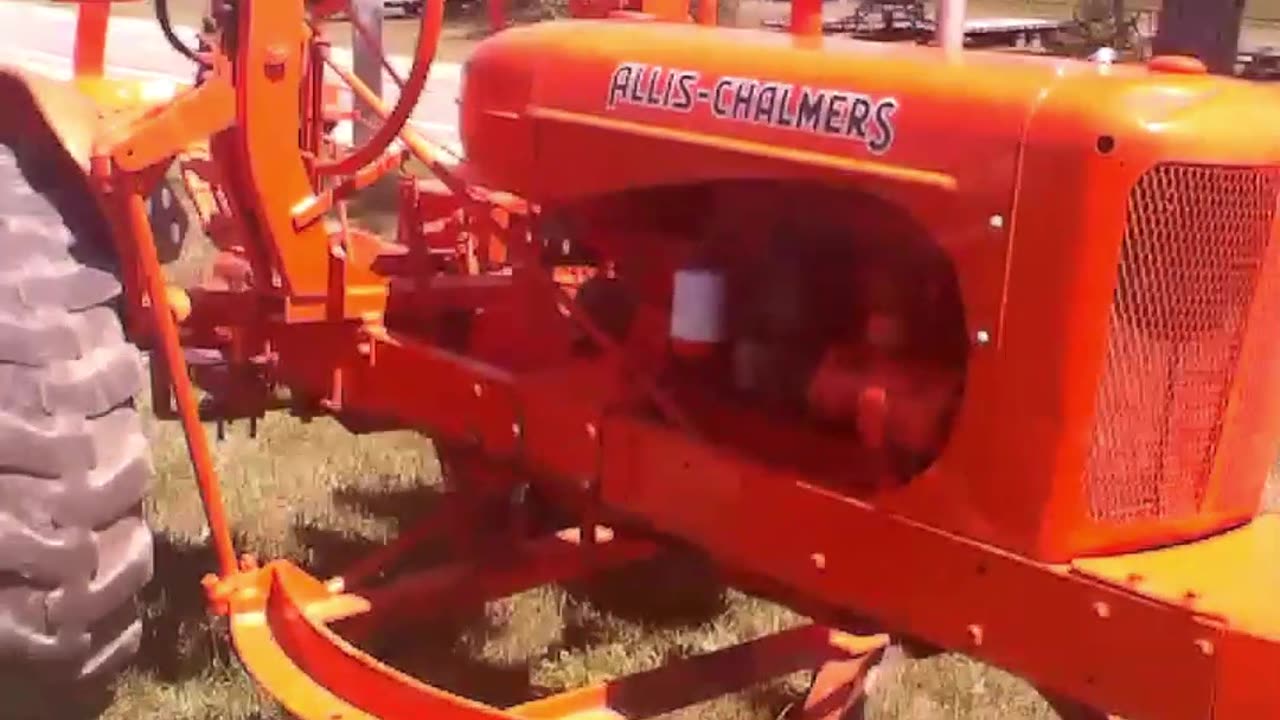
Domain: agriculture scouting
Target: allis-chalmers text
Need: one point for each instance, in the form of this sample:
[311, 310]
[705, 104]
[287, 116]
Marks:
[837, 113]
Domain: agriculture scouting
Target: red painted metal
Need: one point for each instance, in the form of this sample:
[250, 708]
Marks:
[806, 18]
[89, 55]
[839, 688]
[133, 204]
[318, 675]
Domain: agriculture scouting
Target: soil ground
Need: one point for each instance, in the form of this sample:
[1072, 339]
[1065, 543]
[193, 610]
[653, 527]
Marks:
[320, 496]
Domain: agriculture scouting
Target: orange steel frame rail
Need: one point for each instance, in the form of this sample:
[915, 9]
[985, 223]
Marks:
[315, 322]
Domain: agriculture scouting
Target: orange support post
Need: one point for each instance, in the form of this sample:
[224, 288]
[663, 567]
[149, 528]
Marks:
[950, 32]
[170, 346]
[89, 55]
[806, 17]
[708, 12]
[497, 15]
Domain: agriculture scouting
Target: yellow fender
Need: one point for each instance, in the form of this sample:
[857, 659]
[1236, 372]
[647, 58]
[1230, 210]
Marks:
[72, 114]
[48, 114]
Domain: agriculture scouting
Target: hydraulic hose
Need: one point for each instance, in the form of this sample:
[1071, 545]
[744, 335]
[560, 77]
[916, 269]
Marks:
[430, 25]
[166, 27]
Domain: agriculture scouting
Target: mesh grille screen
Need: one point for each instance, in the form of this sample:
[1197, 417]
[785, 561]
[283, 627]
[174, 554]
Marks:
[1195, 244]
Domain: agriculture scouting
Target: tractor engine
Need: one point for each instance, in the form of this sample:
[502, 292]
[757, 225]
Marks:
[862, 352]
[844, 333]
[839, 334]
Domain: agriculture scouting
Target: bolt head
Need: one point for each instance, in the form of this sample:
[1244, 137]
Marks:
[975, 635]
[275, 57]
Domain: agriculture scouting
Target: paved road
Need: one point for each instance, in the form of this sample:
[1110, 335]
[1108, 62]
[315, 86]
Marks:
[40, 39]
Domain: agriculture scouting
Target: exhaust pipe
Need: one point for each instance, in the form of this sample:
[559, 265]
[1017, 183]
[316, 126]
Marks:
[950, 26]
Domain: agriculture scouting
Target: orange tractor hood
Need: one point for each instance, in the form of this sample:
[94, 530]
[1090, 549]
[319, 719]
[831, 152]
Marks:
[557, 110]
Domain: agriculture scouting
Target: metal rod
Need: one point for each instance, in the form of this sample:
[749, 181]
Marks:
[89, 54]
[428, 153]
[367, 57]
[806, 18]
[427, 529]
[950, 26]
[373, 41]
[708, 12]
[698, 678]
[428, 41]
[497, 15]
[184, 394]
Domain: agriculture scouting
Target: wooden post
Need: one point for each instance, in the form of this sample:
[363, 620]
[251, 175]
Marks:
[366, 61]
[1206, 29]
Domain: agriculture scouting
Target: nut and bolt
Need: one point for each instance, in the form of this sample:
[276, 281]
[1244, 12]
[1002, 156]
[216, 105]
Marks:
[976, 635]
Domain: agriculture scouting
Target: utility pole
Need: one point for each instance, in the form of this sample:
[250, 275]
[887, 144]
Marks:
[366, 52]
[1206, 29]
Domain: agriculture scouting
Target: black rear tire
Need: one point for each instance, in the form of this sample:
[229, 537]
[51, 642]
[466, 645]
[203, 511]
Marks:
[75, 549]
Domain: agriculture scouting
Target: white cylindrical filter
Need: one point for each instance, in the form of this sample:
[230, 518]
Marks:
[698, 307]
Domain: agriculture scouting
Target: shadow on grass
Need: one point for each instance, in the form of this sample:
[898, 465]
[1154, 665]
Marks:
[180, 638]
[677, 591]
[333, 545]
[441, 651]
[446, 650]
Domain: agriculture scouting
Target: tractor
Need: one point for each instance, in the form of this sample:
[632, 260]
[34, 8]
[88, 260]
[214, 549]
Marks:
[950, 350]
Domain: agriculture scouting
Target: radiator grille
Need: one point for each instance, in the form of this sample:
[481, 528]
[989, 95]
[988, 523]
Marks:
[1195, 245]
